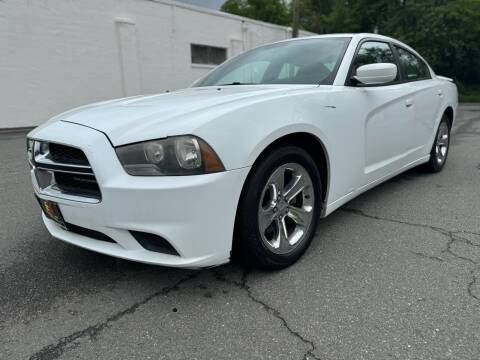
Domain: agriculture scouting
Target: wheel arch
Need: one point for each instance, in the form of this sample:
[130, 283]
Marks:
[315, 148]
[309, 142]
[313, 145]
[450, 114]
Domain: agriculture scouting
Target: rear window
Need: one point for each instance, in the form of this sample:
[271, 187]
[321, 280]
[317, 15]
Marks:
[412, 66]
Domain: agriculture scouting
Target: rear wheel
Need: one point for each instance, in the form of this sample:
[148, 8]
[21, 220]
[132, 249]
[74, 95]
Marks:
[441, 145]
[279, 208]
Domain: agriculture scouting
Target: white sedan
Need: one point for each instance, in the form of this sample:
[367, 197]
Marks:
[248, 159]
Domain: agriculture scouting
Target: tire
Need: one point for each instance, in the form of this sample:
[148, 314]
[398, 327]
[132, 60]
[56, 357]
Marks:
[262, 238]
[440, 147]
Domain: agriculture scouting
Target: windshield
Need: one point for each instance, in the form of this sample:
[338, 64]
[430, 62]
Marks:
[309, 61]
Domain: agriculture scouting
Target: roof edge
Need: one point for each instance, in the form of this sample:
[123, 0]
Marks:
[225, 15]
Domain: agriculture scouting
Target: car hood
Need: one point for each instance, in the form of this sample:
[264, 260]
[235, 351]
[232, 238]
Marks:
[181, 112]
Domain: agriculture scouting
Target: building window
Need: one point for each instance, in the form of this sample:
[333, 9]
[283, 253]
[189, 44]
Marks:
[207, 55]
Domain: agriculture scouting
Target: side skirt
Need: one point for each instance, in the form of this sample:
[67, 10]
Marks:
[346, 198]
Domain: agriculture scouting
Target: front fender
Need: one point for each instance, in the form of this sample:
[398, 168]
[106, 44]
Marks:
[239, 136]
[284, 131]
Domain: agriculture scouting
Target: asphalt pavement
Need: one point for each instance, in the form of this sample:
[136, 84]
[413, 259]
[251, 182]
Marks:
[394, 274]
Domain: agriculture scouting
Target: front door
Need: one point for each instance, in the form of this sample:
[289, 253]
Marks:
[390, 115]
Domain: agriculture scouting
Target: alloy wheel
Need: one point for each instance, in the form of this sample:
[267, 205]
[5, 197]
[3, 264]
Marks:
[441, 143]
[286, 208]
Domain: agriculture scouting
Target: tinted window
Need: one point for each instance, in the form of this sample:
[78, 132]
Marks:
[373, 52]
[209, 55]
[312, 61]
[413, 67]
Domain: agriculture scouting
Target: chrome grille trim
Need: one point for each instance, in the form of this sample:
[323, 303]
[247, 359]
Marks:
[44, 168]
[46, 160]
[42, 157]
[61, 168]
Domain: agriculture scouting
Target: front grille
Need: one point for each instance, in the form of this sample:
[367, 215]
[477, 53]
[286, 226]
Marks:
[69, 170]
[77, 184]
[67, 154]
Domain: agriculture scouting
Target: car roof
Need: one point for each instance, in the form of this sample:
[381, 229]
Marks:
[355, 36]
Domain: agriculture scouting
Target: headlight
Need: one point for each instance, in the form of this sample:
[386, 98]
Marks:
[178, 155]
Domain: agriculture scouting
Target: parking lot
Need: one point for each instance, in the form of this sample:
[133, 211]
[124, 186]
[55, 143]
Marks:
[394, 274]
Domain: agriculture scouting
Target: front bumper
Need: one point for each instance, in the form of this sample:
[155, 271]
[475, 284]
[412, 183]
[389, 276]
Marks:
[195, 214]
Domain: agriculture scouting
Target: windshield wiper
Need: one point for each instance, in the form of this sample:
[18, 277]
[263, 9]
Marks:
[237, 83]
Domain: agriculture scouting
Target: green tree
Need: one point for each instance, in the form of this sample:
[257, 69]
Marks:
[272, 11]
[445, 32]
[313, 14]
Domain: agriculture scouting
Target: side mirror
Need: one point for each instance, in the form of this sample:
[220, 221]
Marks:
[376, 74]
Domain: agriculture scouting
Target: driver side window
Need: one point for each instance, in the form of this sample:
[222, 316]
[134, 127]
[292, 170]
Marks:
[374, 52]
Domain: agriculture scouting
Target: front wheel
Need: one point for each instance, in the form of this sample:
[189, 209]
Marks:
[279, 208]
[441, 144]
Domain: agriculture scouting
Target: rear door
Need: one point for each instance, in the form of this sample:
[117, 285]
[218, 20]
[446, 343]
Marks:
[427, 96]
[388, 115]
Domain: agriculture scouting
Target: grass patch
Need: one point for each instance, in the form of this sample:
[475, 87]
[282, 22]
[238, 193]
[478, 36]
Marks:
[469, 94]
[469, 98]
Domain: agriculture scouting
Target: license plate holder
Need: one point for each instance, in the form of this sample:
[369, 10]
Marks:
[52, 211]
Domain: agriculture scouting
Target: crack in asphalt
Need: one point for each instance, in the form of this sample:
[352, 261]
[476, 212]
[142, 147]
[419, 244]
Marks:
[453, 236]
[465, 240]
[243, 284]
[434, 258]
[471, 284]
[57, 349]
[53, 351]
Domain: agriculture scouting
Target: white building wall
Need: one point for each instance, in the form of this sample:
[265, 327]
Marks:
[59, 54]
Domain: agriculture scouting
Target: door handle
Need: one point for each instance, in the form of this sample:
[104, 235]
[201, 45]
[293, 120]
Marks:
[440, 92]
[409, 103]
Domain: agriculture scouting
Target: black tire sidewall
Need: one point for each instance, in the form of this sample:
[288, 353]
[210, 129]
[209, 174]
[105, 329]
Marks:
[250, 244]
